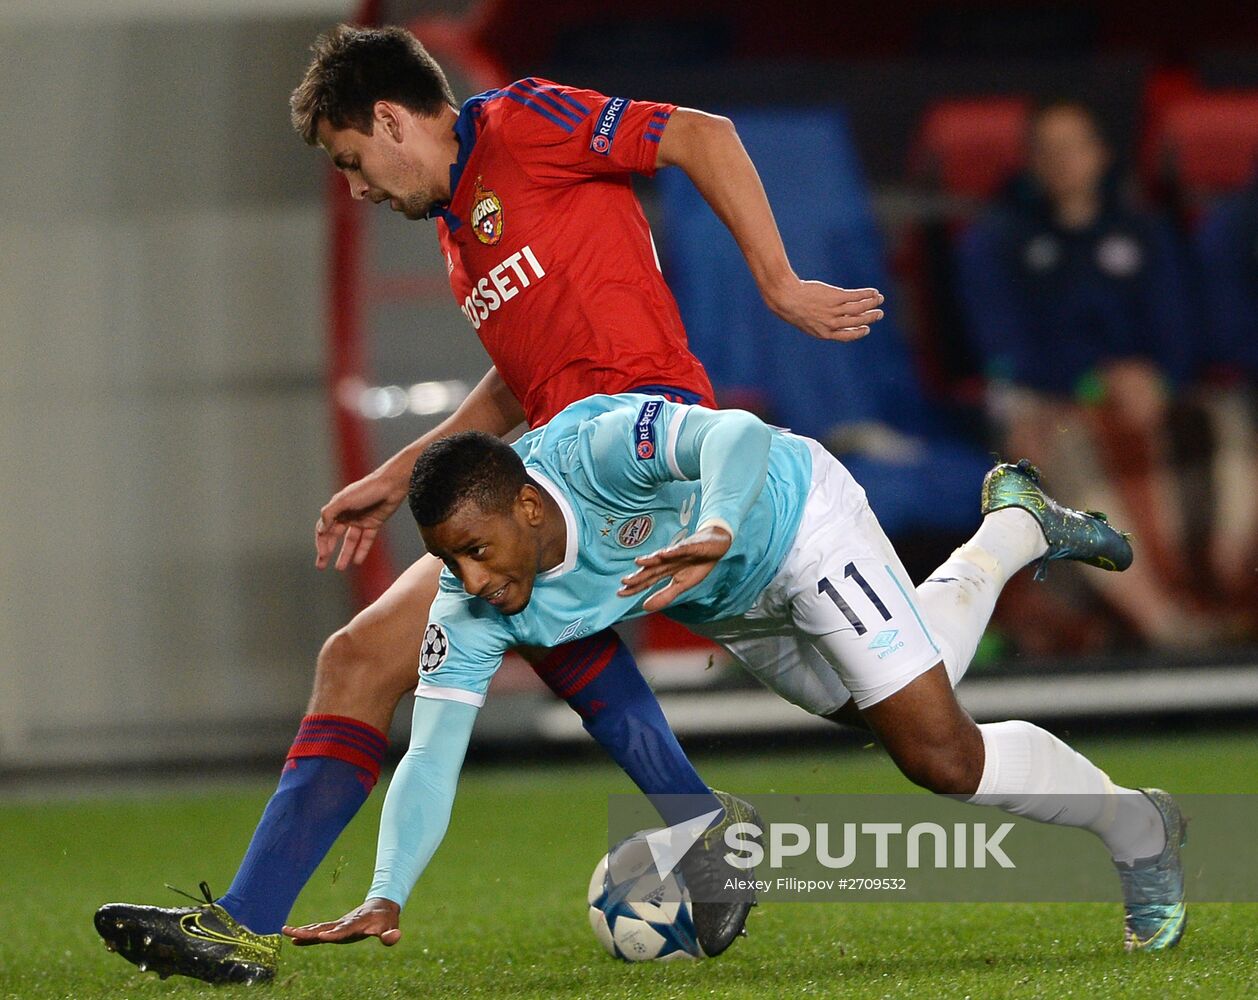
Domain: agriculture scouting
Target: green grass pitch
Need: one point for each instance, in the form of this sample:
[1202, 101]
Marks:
[501, 911]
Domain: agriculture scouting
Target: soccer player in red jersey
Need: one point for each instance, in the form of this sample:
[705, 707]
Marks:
[552, 262]
[543, 229]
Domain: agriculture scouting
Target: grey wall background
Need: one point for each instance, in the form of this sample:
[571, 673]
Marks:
[164, 439]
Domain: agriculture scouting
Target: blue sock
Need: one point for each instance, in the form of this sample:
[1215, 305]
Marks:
[331, 768]
[598, 677]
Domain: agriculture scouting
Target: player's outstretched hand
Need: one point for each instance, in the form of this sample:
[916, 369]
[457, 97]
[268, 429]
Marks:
[355, 516]
[375, 918]
[826, 311]
[688, 562]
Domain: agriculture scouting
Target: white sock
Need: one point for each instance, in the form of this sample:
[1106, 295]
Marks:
[959, 596]
[1030, 772]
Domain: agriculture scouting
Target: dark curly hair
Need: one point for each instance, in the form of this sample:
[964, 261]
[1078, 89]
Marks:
[467, 467]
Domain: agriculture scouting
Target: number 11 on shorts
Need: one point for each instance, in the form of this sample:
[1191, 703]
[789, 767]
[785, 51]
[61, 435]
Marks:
[850, 572]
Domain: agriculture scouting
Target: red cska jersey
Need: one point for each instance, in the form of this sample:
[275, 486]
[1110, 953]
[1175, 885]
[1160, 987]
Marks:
[549, 254]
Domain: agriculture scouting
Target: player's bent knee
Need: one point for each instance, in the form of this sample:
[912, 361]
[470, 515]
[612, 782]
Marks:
[338, 659]
[929, 735]
[349, 663]
[947, 770]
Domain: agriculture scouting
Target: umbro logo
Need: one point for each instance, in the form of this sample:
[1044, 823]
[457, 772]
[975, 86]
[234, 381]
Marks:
[570, 632]
[887, 641]
[884, 638]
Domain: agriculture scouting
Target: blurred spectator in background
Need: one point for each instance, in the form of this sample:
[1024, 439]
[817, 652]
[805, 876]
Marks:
[1077, 303]
[1227, 253]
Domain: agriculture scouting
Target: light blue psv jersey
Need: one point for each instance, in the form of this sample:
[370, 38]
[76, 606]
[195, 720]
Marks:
[631, 474]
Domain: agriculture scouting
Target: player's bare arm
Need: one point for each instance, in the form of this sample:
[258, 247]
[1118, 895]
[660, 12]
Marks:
[375, 918]
[357, 512]
[708, 149]
[687, 562]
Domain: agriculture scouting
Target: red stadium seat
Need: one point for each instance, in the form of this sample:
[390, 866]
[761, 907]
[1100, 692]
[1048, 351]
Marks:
[965, 149]
[969, 147]
[1208, 141]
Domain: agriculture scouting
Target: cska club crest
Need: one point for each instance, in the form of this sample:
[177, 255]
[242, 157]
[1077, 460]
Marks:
[486, 215]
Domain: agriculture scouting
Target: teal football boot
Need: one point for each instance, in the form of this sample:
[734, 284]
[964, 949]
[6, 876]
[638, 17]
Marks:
[1153, 892]
[1084, 536]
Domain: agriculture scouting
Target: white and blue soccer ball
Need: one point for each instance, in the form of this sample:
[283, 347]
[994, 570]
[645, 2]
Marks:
[636, 915]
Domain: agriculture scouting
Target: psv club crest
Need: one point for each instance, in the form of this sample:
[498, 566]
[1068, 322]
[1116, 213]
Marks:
[635, 531]
[486, 214]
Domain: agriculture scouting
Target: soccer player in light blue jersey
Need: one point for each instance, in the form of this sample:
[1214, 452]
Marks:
[624, 505]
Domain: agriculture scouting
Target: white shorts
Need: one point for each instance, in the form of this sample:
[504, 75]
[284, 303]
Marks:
[840, 618]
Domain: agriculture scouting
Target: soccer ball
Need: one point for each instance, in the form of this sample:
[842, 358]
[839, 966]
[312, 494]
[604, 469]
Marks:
[637, 916]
